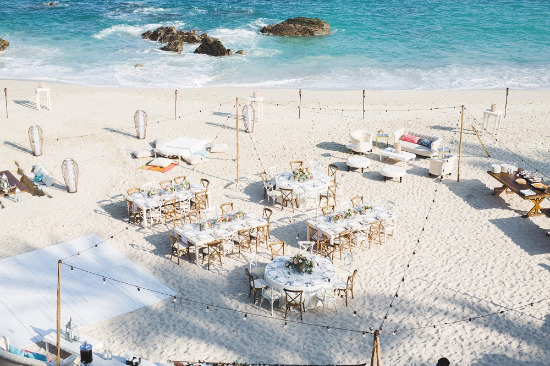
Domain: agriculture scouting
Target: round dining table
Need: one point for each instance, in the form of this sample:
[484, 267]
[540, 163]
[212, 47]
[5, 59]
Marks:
[322, 277]
[318, 184]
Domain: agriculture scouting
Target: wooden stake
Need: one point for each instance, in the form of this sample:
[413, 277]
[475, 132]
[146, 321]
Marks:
[363, 103]
[376, 350]
[58, 312]
[6, 97]
[300, 105]
[237, 128]
[481, 142]
[506, 104]
[460, 144]
[175, 104]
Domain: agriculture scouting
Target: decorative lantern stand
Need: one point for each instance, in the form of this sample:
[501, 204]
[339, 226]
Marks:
[4, 184]
[70, 174]
[249, 117]
[140, 120]
[35, 138]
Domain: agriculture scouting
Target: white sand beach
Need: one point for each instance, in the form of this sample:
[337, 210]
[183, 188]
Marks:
[474, 252]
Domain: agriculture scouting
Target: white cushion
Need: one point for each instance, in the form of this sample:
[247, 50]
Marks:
[194, 159]
[181, 147]
[47, 179]
[142, 153]
[162, 141]
[358, 162]
[415, 148]
[392, 171]
[218, 148]
[36, 169]
[160, 162]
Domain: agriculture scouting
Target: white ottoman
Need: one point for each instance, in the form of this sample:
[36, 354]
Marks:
[393, 171]
[358, 162]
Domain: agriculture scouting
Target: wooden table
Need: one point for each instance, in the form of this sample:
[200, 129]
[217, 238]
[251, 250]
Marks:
[510, 186]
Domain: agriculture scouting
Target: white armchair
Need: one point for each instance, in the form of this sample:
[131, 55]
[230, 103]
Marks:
[361, 141]
[442, 166]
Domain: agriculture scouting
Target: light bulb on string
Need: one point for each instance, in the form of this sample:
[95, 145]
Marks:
[104, 280]
[354, 313]
[72, 269]
[364, 334]
[328, 327]
[207, 308]
[394, 332]
[78, 254]
[286, 323]
[174, 298]
[138, 289]
[244, 317]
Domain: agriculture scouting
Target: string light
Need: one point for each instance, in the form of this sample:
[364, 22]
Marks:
[354, 313]
[72, 269]
[104, 281]
[174, 298]
[138, 289]
[245, 315]
[364, 334]
[286, 323]
[328, 327]
[78, 254]
[207, 308]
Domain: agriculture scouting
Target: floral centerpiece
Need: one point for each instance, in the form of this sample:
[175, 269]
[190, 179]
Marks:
[338, 216]
[152, 192]
[363, 209]
[300, 263]
[223, 219]
[203, 225]
[301, 174]
[351, 212]
[238, 215]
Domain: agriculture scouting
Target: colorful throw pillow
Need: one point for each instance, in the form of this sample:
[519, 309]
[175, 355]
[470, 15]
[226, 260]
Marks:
[410, 138]
[28, 354]
[425, 142]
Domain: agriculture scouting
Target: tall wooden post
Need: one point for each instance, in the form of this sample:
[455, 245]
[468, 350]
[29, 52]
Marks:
[505, 104]
[376, 350]
[175, 104]
[460, 143]
[237, 129]
[363, 103]
[300, 105]
[58, 312]
[6, 98]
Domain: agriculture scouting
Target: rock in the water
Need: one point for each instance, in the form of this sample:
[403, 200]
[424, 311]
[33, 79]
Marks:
[3, 44]
[213, 47]
[298, 27]
[240, 52]
[173, 46]
[169, 34]
[138, 65]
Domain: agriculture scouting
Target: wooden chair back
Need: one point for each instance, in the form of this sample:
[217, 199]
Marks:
[214, 251]
[266, 214]
[205, 183]
[357, 200]
[294, 298]
[296, 164]
[277, 249]
[332, 171]
[180, 180]
[244, 239]
[262, 235]
[165, 184]
[287, 196]
[191, 217]
[132, 190]
[169, 208]
[226, 208]
[264, 176]
[201, 200]
[178, 221]
[328, 209]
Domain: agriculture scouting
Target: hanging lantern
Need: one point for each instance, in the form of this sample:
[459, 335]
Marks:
[140, 120]
[70, 174]
[35, 138]
[249, 117]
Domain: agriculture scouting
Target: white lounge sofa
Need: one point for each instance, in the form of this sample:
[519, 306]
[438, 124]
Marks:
[416, 148]
[361, 141]
[9, 359]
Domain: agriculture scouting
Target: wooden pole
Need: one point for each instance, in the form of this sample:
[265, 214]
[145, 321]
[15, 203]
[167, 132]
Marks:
[175, 104]
[363, 103]
[300, 105]
[506, 103]
[237, 129]
[460, 143]
[6, 98]
[58, 312]
[481, 142]
[376, 350]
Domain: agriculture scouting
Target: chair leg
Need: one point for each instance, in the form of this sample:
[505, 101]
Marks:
[286, 310]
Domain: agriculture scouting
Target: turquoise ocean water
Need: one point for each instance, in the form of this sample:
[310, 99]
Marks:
[391, 44]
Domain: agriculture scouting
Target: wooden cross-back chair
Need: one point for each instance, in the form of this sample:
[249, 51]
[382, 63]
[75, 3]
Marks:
[191, 217]
[213, 251]
[133, 190]
[296, 164]
[375, 232]
[294, 298]
[179, 180]
[134, 213]
[287, 196]
[332, 171]
[255, 285]
[178, 249]
[169, 209]
[277, 248]
[165, 184]
[348, 288]
[330, 196]
[343, 241]
[226, 208]
[328, 209]
[357, 200]
[243, 240]
[205, 183]
[262, 235]
[201, 200]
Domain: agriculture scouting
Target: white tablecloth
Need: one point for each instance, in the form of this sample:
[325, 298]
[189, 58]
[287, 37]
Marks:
[280, 277]
[319, 184]
[144, 202]
[330, 229]
[192, 235]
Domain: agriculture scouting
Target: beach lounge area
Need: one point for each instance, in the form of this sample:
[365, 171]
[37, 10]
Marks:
[410, 239]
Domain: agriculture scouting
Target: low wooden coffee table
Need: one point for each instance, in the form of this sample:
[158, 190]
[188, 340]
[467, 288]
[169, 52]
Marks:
[510, 186]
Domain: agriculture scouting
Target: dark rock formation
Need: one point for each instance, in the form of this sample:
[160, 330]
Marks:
[169, 34]
[213, 47]
[240, 52]
[173, 46]
[298, 27]
[3, 44]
